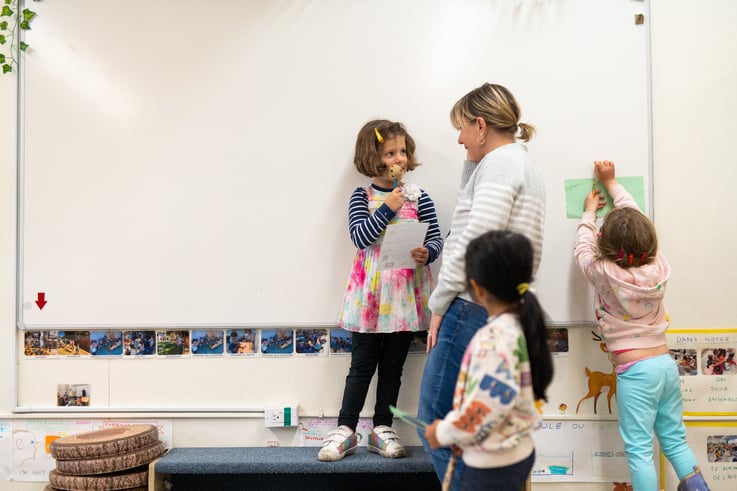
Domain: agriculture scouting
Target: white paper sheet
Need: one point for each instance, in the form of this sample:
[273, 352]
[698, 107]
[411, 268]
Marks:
[399, 239]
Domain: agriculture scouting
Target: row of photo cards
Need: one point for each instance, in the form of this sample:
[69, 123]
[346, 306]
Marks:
[194, 342]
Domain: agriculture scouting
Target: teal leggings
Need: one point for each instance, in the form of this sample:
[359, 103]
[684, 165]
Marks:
[649, 401]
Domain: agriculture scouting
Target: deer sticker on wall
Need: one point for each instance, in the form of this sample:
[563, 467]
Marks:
[599, 380]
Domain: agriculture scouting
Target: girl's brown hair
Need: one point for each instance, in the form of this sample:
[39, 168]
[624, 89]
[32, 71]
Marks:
[367, 158]
[628, 238]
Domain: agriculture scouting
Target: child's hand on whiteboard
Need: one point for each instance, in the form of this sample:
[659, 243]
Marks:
[594, 201]
[604, 172]
[420, 255]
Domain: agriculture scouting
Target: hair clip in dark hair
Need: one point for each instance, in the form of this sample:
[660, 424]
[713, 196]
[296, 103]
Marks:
[630, 258]
[378, 135]
[643, 258]
[620, 254]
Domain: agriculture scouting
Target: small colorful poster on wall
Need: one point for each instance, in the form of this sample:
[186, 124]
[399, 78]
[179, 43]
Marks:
[579, 451]
[706, 362]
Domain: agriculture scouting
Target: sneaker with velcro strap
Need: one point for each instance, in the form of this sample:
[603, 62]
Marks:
[340, 442]
[384, 441]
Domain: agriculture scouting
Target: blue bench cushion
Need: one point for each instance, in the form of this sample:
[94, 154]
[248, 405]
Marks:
[285, 460]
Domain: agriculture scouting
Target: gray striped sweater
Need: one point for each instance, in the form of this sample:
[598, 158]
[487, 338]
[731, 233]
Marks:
[505, 191]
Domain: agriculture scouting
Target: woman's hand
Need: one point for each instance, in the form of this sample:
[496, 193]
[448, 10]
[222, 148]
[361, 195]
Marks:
[432, 334]
[420, 255]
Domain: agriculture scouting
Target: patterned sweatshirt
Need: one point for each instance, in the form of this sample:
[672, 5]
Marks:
[505, 191]
[494, 409]
[630, 309]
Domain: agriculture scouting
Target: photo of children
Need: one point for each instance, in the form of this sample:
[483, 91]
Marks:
[685, 360]
[340, 342]
[73, 343]
[73, 395]
[36, 344]
[277, 341]
[241, 342]
[721, 448]
[718, 361]
[558, 340]
[207, 342]
[311, 341]
[106, 343]
[169, 343]
[139, 343]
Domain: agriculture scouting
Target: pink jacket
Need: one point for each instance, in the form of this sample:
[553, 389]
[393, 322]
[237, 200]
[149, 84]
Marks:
[629, 304]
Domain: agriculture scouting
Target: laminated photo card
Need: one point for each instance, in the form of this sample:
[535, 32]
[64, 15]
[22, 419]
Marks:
[106, 343]
[277, 341]
[240, 342]
[311, 341]
[207, 342]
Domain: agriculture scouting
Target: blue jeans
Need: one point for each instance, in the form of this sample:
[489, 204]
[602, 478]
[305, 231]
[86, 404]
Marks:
[649, 401]
[439, 379]
[509, 478]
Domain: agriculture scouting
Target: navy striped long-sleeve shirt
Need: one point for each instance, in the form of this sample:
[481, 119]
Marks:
[365, 227]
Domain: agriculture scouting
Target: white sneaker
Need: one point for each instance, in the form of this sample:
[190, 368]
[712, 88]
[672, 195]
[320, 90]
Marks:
[384, 441]
[340, 442]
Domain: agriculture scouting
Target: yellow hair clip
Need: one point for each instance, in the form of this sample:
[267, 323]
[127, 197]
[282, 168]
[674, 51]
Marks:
[522, 288]
[378, 136]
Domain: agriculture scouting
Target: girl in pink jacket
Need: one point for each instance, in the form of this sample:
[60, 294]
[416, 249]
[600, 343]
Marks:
[630, 276]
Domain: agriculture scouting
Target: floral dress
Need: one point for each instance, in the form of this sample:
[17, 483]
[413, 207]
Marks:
[391, 300]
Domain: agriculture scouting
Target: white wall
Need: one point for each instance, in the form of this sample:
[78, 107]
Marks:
[694, 75]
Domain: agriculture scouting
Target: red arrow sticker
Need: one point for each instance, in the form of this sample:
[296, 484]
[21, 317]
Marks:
[41, 300]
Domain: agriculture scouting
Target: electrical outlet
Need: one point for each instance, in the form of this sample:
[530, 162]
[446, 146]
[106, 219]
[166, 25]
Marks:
[275, 417]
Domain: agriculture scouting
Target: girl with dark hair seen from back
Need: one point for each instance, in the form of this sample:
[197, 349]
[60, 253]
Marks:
[505, 369]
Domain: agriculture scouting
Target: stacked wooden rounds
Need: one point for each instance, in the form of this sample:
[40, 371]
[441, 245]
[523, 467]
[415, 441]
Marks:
[108, 459]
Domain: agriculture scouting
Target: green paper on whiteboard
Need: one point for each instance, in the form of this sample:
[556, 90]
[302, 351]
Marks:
[576, 190]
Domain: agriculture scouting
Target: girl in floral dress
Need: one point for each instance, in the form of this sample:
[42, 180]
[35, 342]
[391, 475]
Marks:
[382, 309]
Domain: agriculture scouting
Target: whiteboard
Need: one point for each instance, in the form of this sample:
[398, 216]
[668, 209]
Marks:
[189, 163]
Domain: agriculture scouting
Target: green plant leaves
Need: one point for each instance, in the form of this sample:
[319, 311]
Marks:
[9, 32]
